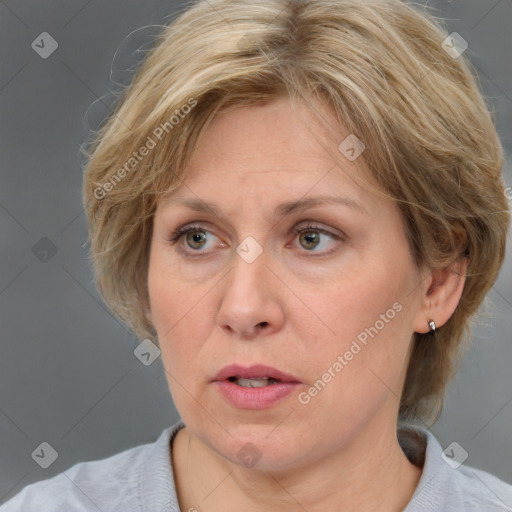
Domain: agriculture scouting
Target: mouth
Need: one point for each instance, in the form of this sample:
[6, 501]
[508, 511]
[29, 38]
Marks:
[255, 387]
[253, 383]
[255, 376]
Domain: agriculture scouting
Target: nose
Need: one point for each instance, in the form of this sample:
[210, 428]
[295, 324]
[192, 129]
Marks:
[251, 304]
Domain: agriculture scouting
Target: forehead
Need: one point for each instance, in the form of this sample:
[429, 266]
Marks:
[264, 132]
[275, 148]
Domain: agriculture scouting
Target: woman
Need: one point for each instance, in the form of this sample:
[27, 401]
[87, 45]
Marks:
[301, 204]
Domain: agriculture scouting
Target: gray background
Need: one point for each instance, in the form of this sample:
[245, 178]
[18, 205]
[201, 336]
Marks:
[68, 374]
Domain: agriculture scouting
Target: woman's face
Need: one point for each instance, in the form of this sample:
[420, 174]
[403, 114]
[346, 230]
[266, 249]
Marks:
[333, 307]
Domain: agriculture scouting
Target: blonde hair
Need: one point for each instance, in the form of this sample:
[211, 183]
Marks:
[381, 68]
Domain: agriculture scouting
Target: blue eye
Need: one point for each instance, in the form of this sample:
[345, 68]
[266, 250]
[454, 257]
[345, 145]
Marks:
[309, 236]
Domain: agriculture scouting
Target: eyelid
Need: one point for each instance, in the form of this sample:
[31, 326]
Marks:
[203, 225]
[300, 227]
[313, 225]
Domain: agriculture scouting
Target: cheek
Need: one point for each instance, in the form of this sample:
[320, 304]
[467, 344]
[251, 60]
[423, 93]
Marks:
[174, 313]
[360, 372]
[169, 294]
[180, 327]
[370, 322]
[360, 303]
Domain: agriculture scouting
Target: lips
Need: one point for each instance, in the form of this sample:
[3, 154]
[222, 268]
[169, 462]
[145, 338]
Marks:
[254, 372]
[256, 387]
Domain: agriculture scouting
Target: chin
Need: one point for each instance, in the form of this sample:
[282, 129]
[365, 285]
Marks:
[261, 447]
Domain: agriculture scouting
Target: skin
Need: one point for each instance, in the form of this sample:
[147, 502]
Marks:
[315, 295]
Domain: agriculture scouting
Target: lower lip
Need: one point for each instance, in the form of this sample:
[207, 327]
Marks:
[255, 398]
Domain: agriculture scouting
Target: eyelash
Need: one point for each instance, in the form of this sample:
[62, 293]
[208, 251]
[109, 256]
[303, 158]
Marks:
[184, 230]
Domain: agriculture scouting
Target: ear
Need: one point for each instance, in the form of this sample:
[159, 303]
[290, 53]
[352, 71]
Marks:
[441, 293]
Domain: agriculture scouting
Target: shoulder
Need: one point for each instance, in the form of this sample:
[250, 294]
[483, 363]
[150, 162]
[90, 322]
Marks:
[110, 484]
[480, 490]
[446, 483]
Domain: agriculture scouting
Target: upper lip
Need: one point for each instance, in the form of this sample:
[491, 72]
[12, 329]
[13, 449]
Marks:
[254, 371]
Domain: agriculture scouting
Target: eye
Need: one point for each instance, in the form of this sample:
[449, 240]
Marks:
[309, 237]
[195, 236]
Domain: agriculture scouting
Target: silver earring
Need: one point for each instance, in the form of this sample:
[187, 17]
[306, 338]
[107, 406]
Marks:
[432, 325]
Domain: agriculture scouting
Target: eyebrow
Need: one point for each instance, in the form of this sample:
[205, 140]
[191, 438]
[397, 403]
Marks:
[284, 209]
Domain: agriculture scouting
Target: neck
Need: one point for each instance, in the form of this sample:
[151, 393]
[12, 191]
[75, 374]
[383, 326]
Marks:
[365, 480]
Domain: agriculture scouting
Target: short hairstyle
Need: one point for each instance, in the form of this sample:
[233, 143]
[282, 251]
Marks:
[382, 69]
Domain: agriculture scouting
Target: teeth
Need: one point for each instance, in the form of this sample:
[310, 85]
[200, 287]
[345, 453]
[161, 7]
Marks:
[255, 382]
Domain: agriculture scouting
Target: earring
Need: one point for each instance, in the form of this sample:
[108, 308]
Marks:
[432, 325]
